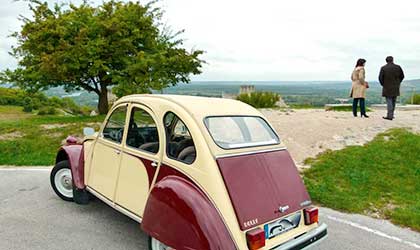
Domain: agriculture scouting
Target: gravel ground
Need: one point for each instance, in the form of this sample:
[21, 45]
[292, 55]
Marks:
[308, 132]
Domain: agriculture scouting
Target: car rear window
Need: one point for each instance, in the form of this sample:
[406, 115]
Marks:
[230, 132]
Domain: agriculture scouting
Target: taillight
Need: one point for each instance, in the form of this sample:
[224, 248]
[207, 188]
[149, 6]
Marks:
[311, 215]
[255, 238]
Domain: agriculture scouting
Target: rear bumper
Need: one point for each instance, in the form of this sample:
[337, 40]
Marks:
[306, 240]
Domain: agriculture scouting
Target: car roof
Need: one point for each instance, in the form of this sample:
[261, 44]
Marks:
[197, 106]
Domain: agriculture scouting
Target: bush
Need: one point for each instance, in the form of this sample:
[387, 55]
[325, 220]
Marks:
[28, 105]
[38, 101]
[47, 111]
[416, 99]
[260, 99]
[11, 97]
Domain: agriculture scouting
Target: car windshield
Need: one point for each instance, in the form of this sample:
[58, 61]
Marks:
[231, 132]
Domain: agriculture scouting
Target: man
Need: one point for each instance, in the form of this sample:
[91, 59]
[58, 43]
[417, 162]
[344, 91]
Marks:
[390, 77]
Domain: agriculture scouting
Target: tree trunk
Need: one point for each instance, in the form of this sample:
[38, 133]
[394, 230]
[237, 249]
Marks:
[103, 101]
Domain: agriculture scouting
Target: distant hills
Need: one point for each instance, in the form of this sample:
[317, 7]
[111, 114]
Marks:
[414, 81]
[316, 93]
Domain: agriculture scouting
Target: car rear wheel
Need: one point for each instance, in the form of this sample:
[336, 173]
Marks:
[154, 244]
[62, 181]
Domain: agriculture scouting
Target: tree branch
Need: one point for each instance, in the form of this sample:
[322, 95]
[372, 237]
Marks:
[90, 88]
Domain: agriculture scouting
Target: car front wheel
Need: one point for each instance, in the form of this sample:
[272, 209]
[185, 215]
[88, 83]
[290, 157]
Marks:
[62, 181]
[154, 244]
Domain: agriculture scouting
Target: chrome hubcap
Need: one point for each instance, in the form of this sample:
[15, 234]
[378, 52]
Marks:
[64, 183]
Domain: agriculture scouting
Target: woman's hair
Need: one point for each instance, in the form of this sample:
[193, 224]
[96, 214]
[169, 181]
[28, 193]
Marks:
[360, 62]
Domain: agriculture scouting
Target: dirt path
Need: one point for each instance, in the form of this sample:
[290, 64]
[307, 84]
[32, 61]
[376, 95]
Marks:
[309, 132]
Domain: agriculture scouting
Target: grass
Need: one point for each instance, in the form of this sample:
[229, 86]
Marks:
[380, 179]
[27, 140]
[8, 113]
[346, 109]
[304, 106]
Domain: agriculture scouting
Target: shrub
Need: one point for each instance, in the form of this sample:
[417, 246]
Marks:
[9, 96]
[47, 111]
[38, 100]
[260, 99]
[416, 99]
[28, 105]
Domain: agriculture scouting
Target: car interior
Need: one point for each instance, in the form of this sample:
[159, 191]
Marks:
[114, 128]
[143, 134]
[180, 145]
[142, 131]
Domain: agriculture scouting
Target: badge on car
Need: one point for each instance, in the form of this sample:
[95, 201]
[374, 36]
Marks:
[283, 209]
[283, 225]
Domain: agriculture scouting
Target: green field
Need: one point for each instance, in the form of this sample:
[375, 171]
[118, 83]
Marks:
[28, 139]
[380, 179]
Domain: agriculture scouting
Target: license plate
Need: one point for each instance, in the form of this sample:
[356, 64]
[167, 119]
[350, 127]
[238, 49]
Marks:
[282, 225]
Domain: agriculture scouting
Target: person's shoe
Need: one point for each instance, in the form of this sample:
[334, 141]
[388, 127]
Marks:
[365, 116]
[355, 115]
[387, 118]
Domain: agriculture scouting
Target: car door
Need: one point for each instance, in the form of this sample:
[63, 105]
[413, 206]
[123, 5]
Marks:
[140, 160]
[107, 154]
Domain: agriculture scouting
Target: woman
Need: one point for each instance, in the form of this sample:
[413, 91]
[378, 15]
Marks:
[358, 88]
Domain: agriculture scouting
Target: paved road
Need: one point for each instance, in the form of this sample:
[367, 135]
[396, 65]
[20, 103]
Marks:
[33, 217]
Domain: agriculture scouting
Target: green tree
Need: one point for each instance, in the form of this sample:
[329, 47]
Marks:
[94, 48]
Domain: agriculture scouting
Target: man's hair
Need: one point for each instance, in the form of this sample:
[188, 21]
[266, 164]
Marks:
[360, 62]
[389, 59]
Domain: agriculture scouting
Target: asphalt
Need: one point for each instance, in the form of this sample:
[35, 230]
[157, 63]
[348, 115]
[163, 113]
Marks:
[33, 217]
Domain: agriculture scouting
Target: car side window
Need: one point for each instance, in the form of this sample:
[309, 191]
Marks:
[142, 131]
[114, 128]
[179, 143]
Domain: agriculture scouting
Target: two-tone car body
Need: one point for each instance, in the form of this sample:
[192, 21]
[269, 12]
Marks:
[197, 173]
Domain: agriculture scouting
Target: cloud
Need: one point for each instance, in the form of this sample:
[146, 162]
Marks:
[287, 40]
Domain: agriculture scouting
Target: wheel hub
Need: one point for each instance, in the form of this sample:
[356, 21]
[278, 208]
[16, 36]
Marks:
[64, 182]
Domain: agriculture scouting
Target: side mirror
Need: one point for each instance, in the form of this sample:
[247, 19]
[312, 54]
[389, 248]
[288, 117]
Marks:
[88, 131]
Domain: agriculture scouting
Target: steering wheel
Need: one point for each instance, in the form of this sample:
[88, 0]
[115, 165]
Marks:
[116, 134]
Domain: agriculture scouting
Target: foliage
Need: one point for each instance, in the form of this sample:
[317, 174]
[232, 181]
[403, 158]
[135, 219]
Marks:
[379, 178]
[93, 48]
[11, 97]
[28, 106]
[260, 99]
[47, 111]
[38, 101]
[39, 137]
[416, 99]
[346, 108]
[302, 106]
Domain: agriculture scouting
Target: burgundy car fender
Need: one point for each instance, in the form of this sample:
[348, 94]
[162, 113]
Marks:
[181, 216]
[74, 154]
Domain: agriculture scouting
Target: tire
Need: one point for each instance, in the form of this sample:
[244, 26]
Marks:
[154, 244]
[81, 196]
[62, 181]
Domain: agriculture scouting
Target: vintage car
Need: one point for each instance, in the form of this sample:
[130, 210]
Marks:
[196, 173]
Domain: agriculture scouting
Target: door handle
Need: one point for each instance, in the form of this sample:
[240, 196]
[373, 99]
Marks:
[117, 151]
[154, 164]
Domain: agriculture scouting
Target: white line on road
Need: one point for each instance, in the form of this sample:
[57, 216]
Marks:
[379, 233]
[25, 169]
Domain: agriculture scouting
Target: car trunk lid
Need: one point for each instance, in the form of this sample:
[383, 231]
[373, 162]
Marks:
[263, 186]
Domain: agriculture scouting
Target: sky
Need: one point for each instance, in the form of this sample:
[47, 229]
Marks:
[277, 40]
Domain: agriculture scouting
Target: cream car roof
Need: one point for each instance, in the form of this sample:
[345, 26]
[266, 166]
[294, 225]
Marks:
[201, 107]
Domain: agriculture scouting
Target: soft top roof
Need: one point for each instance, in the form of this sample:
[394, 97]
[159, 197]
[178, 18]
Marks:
[199, 107]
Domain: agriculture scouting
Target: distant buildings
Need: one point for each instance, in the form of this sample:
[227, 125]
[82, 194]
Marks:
[246, 89]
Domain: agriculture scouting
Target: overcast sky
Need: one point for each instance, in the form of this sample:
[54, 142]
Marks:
[280, 40]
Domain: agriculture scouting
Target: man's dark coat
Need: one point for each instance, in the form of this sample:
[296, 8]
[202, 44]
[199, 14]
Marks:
[390, 77]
